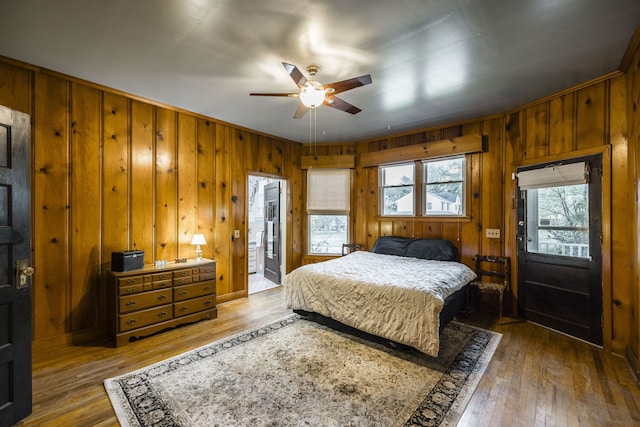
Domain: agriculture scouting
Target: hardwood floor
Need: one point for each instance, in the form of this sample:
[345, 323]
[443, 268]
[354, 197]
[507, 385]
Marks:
[537, 377]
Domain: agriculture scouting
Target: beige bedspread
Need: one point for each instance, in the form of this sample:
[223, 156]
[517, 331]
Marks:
[394, 297]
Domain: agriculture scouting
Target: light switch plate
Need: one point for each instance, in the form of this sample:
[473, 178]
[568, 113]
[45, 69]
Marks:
[493, 233]
[236, 234]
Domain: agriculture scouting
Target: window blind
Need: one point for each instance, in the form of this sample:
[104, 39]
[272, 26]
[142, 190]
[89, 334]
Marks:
[554, 176]
[328, 190]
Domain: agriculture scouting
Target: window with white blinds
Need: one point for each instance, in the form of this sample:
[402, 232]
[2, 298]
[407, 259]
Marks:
[328, 205]
[554, 176]
[328, 190]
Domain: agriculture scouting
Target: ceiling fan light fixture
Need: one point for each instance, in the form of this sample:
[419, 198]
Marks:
[311, 96]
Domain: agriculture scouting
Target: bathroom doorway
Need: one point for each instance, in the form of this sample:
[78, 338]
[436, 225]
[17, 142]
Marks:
[266, 218]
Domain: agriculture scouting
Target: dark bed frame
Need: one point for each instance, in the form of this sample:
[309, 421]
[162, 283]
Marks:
[433, 249]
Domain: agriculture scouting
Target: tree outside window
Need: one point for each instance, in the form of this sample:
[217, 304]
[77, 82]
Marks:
[443, 182]
[397, 189]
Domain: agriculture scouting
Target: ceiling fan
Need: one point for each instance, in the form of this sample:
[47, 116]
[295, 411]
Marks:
[312, 94]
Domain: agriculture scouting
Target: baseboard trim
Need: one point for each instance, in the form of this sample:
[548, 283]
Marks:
[632, 363]
[85, 336]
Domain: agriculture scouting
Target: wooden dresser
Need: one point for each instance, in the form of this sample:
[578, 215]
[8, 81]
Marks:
[150, 299]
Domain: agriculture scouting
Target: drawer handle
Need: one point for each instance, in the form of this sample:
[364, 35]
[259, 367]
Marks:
[162, 314]
[207, 288]
[183, 308]
[131, 290]
[183, 293]
[131, 321]
[161, 297]
[131, 303]
[131, 281]
[207, 302]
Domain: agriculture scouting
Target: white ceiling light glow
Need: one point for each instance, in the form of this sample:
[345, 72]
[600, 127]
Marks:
[311, 96]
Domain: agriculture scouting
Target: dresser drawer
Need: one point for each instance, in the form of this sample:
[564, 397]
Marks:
[145, 318]
[181, 293]
[144, 300]
[182, 280]
[158, 277]
[181, 273]
[211, 268]
[194, 305]
[130, 289]
[207, 276]
[161, 284]
[129, 281]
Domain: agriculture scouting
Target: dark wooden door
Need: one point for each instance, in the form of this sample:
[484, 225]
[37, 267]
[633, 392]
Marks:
[272, 232]
[15, 267]
[560, 254]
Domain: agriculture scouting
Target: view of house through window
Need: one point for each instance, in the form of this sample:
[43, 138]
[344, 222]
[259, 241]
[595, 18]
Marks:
[397, 189]
[444, 186]
[558, 220]
[328, 206]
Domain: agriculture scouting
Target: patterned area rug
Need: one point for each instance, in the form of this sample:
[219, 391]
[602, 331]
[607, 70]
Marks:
[295, 372]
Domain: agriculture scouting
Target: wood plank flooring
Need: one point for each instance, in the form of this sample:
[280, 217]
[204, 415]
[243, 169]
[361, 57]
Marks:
[536, 378]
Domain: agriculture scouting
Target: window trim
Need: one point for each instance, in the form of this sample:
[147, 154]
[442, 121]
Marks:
[464, 182]
[382, 187]
[328, 212]
[419, 202]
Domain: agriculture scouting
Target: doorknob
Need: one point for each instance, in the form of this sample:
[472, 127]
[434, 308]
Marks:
[23, 272]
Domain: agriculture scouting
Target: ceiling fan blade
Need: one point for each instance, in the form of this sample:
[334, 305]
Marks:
[301, 111]
[335, 102]
[292, 95]
[348, 84]
[298, 78]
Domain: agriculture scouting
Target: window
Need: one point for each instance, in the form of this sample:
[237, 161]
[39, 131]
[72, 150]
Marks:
[557, 211]
[397, 184]
[328, 205]
[444, 189]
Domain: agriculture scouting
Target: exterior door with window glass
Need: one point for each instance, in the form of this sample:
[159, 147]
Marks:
[559, 246]
[272, 232]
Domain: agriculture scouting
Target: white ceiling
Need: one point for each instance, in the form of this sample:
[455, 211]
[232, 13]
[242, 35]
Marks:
[432, 61]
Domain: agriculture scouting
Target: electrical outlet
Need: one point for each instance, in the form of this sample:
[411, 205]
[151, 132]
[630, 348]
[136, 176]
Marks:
[236, 234]
[493, 233]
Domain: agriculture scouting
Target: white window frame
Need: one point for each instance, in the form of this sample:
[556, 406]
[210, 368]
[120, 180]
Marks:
[328, 194]
[426, 184]
[384, 186]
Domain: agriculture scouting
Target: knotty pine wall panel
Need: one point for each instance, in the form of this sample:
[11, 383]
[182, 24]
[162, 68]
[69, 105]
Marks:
[141, 185]
[466, 233]
[86, 207]
[166, 184]
[114, 172]
[633, 129]
[223, 229]
[206, 189]
[239, 180]
[115, 184]
[50, 206]
[586, 120]
[622, 202]
[187, 184]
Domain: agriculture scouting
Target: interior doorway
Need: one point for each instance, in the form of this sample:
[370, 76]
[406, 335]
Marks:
[266, 218]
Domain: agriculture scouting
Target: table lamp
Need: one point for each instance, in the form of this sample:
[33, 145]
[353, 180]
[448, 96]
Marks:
[198, 239]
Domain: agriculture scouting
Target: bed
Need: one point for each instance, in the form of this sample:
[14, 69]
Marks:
[404, 290]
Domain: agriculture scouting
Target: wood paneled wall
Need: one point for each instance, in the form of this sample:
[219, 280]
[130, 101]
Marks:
[633, 109]
[587, 119]
[112, 172]
[485, 210]
[591, 118]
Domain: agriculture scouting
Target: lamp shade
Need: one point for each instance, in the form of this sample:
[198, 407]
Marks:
[198, 239]
[312, 97]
